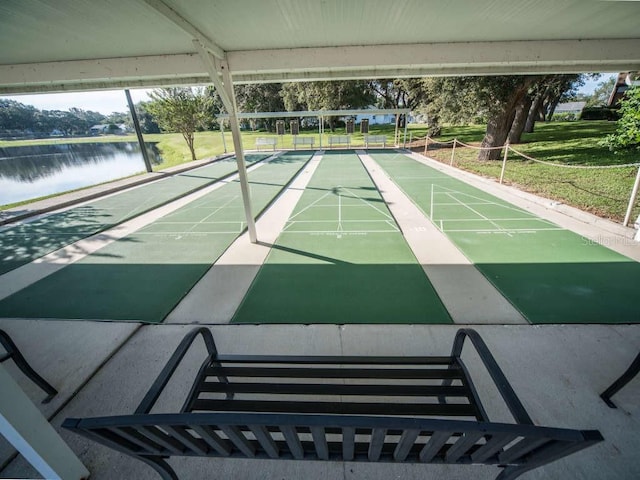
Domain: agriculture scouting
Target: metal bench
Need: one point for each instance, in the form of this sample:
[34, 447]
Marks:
[335, 140]
[375, 140]
[303, 141]
[364, 409]
[266, 141]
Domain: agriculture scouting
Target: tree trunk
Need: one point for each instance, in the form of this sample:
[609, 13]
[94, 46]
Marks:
[497, 131]
[552, 108]
[499, 124]
[520, 120]
[189, 137]
[534, 112]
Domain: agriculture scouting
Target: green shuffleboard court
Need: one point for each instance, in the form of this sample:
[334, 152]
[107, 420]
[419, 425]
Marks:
[144, 275]
[550, 274]
[23, 243]
[341, 258]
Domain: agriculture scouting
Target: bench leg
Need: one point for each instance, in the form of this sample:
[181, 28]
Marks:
[625, 378]
[23, 365]
[509, 473]
[160, 466]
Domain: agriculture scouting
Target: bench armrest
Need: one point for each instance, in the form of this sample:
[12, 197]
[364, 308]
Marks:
[163, 378]
[500, 380]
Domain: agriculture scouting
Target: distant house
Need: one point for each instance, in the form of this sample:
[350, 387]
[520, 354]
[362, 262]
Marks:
[571, 110]
[104, 129]
[99, 129]
[378, 119]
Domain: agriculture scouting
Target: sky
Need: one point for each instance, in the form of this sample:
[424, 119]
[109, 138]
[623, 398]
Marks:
[109, 101]
[104, 101]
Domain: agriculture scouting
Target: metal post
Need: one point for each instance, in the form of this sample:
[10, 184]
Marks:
[632, 200]
[395, 135]
[224, 142]
[453, 152]
[406, 125]
[504, 160]
[426, 144]
[237, 143]
[136, 125]
[22, 424]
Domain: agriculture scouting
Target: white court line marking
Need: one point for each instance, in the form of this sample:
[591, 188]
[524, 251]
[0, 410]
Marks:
[507, 231]
[181, 234]
[480, 215]
[214, 212]
[431, 206]
[310, 205]
[348, 232]
[507, 206]
[482, 219]
[369, 204]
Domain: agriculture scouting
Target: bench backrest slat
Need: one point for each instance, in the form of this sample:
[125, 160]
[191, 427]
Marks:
[293, 441]
[494, 444]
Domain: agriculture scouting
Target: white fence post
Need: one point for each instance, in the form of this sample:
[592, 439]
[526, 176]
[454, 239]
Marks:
[632, 200]
[504, 160]
[453, 152]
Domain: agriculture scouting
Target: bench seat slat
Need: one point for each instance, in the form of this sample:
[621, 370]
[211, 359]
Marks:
[288, 372]
[354, 408]
[335, 389]
[335, 360]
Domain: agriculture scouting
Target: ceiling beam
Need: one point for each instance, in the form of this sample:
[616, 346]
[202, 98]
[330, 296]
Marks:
[527, 56]
[337, 63]
[214, 71]
[161, 7]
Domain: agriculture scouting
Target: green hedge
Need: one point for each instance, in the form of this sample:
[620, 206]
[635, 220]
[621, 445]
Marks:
[600, 113]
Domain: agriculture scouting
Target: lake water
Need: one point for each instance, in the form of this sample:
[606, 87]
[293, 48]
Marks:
[36, 171]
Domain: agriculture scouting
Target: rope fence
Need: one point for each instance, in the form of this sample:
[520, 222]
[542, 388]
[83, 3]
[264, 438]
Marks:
[508, 148]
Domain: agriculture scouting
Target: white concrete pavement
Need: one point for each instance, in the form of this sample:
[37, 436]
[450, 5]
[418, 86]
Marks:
[557, 371]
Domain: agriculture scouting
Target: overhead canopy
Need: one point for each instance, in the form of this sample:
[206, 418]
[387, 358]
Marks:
[57, 45]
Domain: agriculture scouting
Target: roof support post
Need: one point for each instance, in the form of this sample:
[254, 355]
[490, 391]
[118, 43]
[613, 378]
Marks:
[224, 89]
[22, 424]
[136, 124]
[237, 143]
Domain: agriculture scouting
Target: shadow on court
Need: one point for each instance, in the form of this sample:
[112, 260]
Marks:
[604, 292]
[341, 293]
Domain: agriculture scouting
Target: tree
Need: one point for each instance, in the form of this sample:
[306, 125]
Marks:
[336, 95]
[600, 96]
[399, 93]
[180, 109]
[627, 135]
[260, 97]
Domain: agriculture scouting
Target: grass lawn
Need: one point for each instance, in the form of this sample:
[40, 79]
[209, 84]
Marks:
[604, 192]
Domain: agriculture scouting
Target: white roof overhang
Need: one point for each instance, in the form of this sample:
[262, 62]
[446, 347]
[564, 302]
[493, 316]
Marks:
[58, 45]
